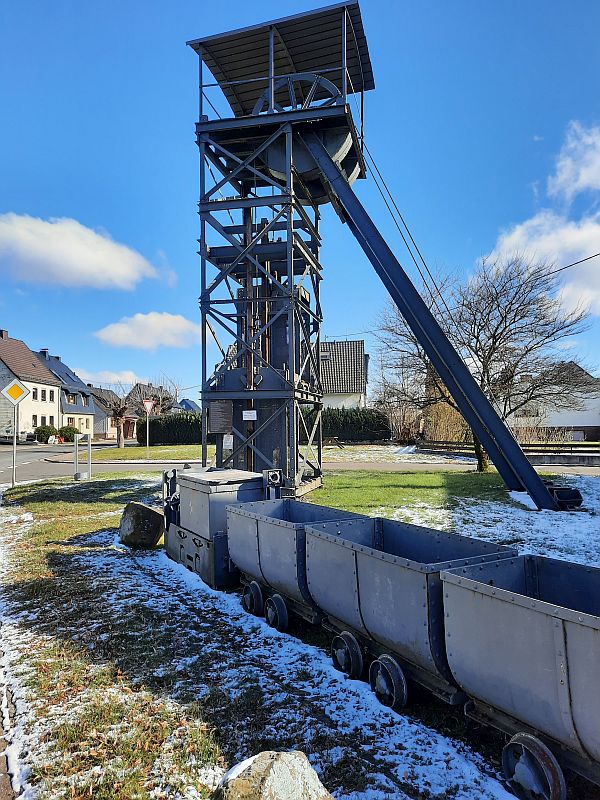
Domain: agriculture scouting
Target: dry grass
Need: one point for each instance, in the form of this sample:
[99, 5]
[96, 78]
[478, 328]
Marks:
[101, 735]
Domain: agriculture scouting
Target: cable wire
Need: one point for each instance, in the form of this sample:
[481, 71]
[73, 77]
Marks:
[574, 264]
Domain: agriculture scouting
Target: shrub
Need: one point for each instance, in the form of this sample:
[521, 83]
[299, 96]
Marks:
[44, 432]
[172, 429]
[68, 433]
[353, 424]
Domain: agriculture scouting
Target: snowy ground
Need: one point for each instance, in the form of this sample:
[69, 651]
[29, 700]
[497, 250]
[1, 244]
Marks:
[385, 453]
[175, 641]
[573, 536]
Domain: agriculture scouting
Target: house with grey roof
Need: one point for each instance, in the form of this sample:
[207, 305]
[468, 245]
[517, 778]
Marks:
[105, 401]
[42, 404]
[76, 400]
[580, 422]
[190, 406]
[344, 374]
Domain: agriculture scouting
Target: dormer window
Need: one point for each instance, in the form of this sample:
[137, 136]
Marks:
[72, 399]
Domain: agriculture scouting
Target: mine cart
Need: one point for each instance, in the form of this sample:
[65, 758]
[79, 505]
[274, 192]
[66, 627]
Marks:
[267, 544]
[378, 582]
[523, 641]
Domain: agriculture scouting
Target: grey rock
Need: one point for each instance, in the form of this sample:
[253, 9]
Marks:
[272, 776]
[141, 526]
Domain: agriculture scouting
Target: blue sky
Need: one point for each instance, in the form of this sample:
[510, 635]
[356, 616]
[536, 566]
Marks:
[485, 122]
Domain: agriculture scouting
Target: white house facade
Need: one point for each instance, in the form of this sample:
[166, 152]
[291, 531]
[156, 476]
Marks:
[42, 404]
[76, 400]
[579, 424]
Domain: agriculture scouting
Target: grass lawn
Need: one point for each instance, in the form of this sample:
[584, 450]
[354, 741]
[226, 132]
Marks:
[367, 492]
[157, 453]
[127, 692]
[99, 732]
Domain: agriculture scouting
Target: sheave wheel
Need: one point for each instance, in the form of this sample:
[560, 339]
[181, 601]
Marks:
[252, 599]
[276, 612]
[347, 655]
[388, 682]
[531, 770]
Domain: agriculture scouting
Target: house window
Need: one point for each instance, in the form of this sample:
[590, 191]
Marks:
[72, 399]
[87, 423]
[52, 421]
[85, 400]
[71, 422]
[34, 421]
[43, 395]
[35, 397]
[51, 395]
[43, 421]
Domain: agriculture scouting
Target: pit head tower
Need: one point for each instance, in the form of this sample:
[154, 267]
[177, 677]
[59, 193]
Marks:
[260, 193]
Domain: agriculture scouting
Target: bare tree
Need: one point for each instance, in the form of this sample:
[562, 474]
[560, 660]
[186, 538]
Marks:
[508, 324]
[115, 399]
[405, 419]
[161, 397]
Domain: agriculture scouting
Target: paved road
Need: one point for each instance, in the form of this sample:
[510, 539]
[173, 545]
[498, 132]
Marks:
[31, 465]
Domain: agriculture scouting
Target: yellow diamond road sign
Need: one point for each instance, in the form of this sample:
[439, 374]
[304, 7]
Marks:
[15, 391]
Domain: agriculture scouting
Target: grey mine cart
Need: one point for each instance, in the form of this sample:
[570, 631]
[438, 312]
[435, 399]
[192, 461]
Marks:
[378, 582]
[267, 544]
[523, 641]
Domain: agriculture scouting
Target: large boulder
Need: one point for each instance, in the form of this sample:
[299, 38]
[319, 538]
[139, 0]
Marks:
[272, 776]
[141, 526]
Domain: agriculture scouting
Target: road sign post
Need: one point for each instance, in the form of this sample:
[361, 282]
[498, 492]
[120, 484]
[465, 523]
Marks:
[148, 405]
[76, 439]
[15, 391]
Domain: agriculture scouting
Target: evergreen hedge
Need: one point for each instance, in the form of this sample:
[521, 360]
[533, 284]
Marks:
[353, 424]
[346, 424]
[181, 428]
[44, 432]
[68, 433]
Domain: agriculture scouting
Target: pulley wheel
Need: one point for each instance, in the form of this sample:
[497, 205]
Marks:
[347, 655]
[252, 599]
[276, 612]
[531, 770]
[388, 682]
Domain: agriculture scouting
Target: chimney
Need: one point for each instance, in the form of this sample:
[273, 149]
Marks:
[44, 353]
[90, 385]
[3, 334]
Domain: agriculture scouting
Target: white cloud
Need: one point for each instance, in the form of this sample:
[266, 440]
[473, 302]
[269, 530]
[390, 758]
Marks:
[552, 237]
[557, 238]
[150, 331]
[578, 163]
[63, 252]
[107, 377]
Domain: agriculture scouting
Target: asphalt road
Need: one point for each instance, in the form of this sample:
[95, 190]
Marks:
[31, 465]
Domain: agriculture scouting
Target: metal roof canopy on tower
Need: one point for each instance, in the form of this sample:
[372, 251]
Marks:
[309, 42]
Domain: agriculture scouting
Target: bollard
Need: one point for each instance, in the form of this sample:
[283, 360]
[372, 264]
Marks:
[89, 454]
[78, 476]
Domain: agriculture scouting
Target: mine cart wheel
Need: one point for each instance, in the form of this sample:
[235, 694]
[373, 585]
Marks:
[531, 770]
[388, 682]
[276, 612]
[347, 655]
[252, 599]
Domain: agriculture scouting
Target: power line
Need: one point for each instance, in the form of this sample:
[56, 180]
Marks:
[574, 264]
